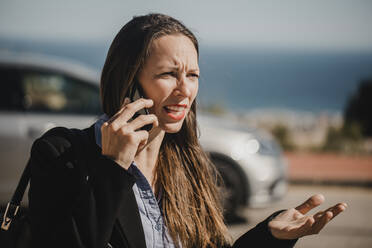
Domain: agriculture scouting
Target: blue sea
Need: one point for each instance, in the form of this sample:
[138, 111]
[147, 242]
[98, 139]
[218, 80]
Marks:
[244, 79]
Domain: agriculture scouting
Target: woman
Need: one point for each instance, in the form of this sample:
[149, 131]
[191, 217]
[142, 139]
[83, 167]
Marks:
[117, 184]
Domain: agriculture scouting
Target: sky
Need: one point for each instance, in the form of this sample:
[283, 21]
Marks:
[298, 24]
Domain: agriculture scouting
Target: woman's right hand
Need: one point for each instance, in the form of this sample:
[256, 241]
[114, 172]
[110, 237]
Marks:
[122, 139]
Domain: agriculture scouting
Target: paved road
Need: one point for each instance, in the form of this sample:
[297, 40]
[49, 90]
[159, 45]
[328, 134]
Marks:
[351, 229]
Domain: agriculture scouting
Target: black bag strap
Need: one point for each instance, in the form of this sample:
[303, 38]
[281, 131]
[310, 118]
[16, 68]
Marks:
[79, 141]
[13, 206]
[22, 185]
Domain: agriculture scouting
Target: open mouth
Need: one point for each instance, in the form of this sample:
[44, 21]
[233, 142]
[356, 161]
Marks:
[176, 111]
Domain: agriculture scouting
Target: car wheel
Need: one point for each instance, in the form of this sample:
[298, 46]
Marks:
[232, 189]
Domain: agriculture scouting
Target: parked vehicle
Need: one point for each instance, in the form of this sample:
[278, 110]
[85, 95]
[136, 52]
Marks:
[40, 92]
[250, 162]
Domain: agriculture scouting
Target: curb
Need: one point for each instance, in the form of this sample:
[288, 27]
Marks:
[348, 183]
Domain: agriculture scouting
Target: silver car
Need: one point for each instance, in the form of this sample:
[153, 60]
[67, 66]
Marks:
[40, 92]
[250, 162]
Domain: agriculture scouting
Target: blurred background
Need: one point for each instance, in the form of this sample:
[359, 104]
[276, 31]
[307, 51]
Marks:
[299, 70]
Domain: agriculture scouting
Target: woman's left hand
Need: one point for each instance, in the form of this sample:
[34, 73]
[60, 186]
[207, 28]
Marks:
[293, 223]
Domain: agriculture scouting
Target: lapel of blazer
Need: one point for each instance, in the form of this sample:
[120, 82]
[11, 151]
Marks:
[130, 221]
[128, 216]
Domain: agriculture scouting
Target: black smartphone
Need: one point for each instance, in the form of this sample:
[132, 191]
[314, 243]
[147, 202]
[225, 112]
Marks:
[135, 93]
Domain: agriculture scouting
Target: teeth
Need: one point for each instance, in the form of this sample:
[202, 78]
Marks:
[175, 108]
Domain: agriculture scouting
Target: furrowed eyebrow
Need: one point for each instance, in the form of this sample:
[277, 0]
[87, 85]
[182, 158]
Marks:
[194, 70]
[168, 68]
[175, 68]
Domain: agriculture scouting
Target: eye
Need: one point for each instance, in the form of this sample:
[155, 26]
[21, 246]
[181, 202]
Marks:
[168, 73]
[193, 75]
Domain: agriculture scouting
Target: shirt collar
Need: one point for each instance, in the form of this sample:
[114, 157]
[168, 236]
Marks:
[97, 128]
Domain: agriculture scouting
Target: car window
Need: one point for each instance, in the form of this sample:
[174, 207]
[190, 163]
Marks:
[57, 93]
[11, 97]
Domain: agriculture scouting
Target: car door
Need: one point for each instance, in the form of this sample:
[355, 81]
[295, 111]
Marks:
[46, 99]
[11, 137]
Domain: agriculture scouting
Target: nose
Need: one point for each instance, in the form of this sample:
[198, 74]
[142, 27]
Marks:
[183, 87]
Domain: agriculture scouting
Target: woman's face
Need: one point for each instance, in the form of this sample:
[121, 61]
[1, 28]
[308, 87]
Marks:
[170, 77]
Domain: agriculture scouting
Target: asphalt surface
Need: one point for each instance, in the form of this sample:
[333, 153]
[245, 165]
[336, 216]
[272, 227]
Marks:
[352, 228]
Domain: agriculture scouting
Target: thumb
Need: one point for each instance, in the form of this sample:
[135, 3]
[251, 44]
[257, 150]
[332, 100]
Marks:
[310, 203]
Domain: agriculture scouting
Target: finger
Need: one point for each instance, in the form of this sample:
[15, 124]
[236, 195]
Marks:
[304, 229]
[310, 203]
[143, 120]
[321, 222]
[337, 209]
[130, 109]
[115, 116]
[142, 136]
[318, 215]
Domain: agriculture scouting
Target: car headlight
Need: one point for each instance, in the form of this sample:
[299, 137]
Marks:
[244, 148]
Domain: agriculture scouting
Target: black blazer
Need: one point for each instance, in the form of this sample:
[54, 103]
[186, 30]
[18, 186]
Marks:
[79, 198]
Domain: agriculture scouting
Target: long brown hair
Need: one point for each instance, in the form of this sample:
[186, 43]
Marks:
[184, 173]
